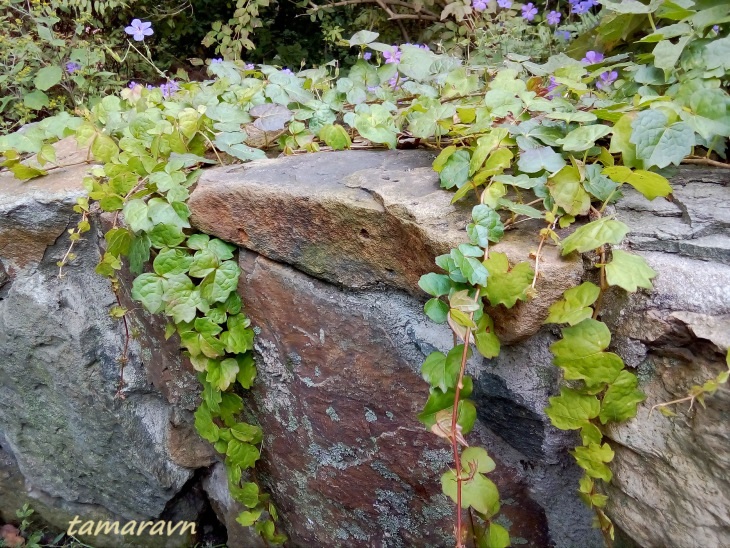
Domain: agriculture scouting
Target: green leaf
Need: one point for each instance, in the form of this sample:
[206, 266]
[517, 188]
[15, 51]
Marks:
[104, 148]
[478, 492]
[238, 339]
[247, 519]
[629, 271]
[620, 400]
[139, 253]
[575, 305]
[537, 159]
[456, 169]
[438, 401]
[507, 286]
[241, 453]
[335, 136]
[589, 433]
[166, 235]
[248, 494]
[580, 353]
[135, 215]
[486, 340]
[487, 226]
[658, 143]
[435, 284]
[572, 410]
[204, 424]
[172, 261]
[437, 310]
[36, 100]
[363, 38]
[651, 185]
[593, 235]
[666, 53]
[476, 458]
[222, 373]
[247, 432]
[593, 458]
[181, 299]
[217, 285]
[23, 172]
[496, 537]
[246, 370]
[47, 77]
[442, 158]
[568, 193]
[584, 137]
[118, 241]
[149, 290]
[203, 263]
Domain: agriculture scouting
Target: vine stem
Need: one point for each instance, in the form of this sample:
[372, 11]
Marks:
[543, 239]
[455, 417]
[124, 358]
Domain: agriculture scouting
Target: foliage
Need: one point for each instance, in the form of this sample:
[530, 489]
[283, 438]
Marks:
[548, 143]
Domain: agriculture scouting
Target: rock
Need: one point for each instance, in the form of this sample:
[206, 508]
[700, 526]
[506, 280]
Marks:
[75, 448]
[339, 380]
[362, 219]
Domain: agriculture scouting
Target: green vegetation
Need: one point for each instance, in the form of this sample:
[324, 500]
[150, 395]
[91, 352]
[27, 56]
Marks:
[630, 92]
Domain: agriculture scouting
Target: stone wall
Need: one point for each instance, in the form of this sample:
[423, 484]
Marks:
[332, 246]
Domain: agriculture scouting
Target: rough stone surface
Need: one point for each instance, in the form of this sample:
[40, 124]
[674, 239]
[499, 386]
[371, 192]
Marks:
[69, 445]
[362, 219]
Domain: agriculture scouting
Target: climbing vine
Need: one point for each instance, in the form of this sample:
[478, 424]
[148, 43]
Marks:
[547, 143]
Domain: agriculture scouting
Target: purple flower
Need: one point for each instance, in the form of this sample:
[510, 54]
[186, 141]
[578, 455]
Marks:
[553, 18]
[367, 55]
[606, 79]
[529, 11]
[592, 57]
[372, 89]
[139, 29]
[479, 5]
[578, 8]
[394, 82]
[392, 56]
[133, 85]
[169, 88]
[716, 28]
[287, 71]
[504, 4]
[588, 4]
[553, 83]
[564, 34]
[72, 67]
[216, 61]
[249, 66]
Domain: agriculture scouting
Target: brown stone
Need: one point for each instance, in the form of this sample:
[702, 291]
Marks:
[344, 455]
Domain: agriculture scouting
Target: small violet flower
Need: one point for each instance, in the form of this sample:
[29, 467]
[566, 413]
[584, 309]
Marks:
[504, 4]
[133, 85]
[592, 57]
[216, 61]
[249, 66]
[287, 71]
[394, 82]
[529, 11]
[367, 55]
[564, 34]
[553, 18]
[139, 29]
[606, 79]
[169, 88]
[72, 67]
[552, 84]
[479, 5]
[716, 28]
[392, 56]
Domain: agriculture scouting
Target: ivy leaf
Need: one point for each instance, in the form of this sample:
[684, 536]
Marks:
[658, 143]
[478, 492]
[572, 410]
[649, 184]
[248, 518]
[620, 400]
[434, 284]
[181, 299]
[593, 235]
[575, 305]
[104, 148]
[222, 373]
[204, 424]
[238, 339]
[537, 159]
[136, 216]
[217, 285]
[248, 494]
[437, 310]
[270, 116]
[507, 286]
[247, 432]
[584, 137]
[363, 38]
[172, 261]
[435, 373]
[166, 235]
[246, 370]
[568, 193]
[485, 339]
[580, 353]
[335, 136]
[242, 454]
[476, 458]
[629, 271]
[139, 253]
[149, 290]
[36, 100]
[497, 536]
[118, 241]
[438, 401]
[593, 460]
[456, 169]
[487, 226]
[589, 433]
[203, 263]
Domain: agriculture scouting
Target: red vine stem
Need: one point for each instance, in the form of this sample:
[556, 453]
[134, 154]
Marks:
[455, 417]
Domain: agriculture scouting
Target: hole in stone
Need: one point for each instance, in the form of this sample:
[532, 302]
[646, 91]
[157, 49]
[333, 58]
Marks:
[364, 234]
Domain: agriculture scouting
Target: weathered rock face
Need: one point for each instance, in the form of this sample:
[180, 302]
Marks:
[332, 248]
